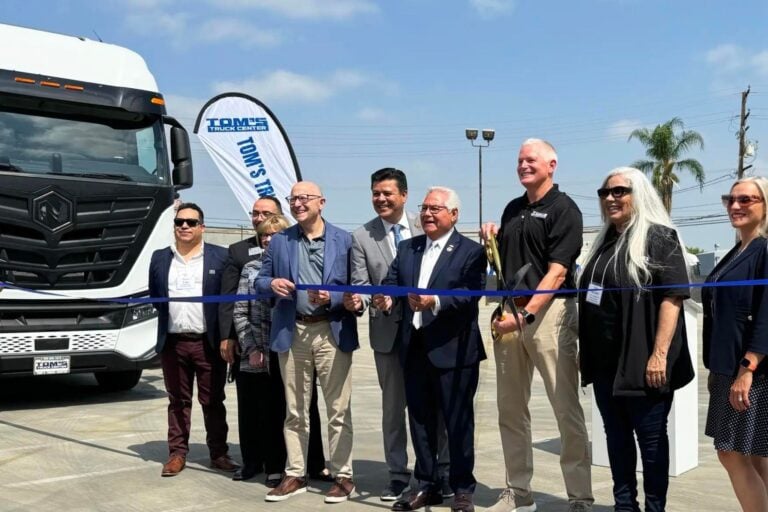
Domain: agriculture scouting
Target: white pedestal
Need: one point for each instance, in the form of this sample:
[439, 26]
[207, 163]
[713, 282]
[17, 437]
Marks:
[683, 427]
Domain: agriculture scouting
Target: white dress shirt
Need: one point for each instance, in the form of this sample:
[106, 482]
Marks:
[405, 231]
[185, 279]
[432, 252]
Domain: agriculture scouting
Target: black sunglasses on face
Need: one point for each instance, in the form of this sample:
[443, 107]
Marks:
[616, 192]
[193, 223]
[745, 200]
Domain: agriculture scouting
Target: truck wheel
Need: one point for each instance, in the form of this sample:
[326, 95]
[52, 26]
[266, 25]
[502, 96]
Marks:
[118, 381]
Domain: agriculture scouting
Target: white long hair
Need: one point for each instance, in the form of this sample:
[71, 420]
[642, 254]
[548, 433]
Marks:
[647, 210]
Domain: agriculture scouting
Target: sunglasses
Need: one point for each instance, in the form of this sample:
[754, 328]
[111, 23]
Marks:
[193, 223]
[616, 192]
[728, 200]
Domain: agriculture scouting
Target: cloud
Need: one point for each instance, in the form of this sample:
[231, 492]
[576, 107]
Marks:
[244, 34]
[735, 66]
[374, 115]
[157, 22]
[287, 86]
[305, 9]
[623, 127]
[491, 8]
[184, 108]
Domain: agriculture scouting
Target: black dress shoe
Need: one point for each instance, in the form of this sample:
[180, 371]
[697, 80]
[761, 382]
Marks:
[416, 500]
[246, 473]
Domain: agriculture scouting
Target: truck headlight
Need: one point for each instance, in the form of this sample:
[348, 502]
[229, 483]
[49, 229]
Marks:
[139, 313]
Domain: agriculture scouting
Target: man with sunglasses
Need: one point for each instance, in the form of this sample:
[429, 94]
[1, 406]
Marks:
[312, 332]
[188, 337]
[250, 396]
[542, 227]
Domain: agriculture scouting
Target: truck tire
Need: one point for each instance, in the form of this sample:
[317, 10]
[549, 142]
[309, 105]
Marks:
[118, 381]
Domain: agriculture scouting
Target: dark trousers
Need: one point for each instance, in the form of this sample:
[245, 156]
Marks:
[644, 416]
[261, 417]
[182, 361]
[432, 393]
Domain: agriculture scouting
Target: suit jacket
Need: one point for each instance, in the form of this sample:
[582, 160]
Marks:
[214, 259]
[282, 260]
[452, 337]
[371, 256]
[240, 253]
[736, 317]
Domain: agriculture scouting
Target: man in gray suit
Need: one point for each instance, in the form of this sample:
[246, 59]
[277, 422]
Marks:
[374, 246]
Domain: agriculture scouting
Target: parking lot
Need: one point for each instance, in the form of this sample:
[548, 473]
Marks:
[66, 446]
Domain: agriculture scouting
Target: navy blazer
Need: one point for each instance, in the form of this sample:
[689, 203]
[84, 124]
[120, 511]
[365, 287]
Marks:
[282, 260]
[452, 337]
[736, 317]
[214, 260]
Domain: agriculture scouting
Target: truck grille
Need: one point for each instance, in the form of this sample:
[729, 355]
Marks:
[78, 342]
[71, 239]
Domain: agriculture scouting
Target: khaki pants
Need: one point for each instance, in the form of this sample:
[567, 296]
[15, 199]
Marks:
[313, 348]
[549, 345]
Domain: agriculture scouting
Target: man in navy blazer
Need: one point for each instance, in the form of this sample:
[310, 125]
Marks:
[312, 331]
[441, 347]
[188, 337]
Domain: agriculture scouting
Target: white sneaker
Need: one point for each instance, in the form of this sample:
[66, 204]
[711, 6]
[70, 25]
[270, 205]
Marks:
[510, 502]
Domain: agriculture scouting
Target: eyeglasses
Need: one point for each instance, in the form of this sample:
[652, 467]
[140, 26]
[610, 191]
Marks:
[266, 215]
[728, 200]
[193, 223]
[302, 198]
[434, 209]
[616, 192]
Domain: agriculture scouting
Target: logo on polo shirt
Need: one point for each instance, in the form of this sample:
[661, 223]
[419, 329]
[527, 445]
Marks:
[539, 215]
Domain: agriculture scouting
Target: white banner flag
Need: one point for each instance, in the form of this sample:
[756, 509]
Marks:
[249, 147]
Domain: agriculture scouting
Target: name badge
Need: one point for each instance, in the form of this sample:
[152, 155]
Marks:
[185, 281]
[538, 215]
[594, 296]
[253, 251]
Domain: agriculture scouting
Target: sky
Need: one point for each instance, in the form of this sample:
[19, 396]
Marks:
[363, 84]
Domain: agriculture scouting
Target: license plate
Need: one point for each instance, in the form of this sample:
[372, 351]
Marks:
[51, 365]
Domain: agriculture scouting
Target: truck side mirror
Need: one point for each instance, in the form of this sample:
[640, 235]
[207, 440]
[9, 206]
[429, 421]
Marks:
[181, 155]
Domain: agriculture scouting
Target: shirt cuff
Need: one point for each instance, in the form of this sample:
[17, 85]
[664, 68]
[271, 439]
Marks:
[436, 307]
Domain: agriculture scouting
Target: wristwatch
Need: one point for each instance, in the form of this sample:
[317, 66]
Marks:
[749, 365]
[528, 316]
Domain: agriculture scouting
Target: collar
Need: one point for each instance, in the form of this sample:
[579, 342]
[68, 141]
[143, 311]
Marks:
[321, 237]
[547, 200]
[403, 223]
[175, 251]
[440, 242]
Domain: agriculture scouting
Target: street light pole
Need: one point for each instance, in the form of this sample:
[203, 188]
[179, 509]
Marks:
[488, 136]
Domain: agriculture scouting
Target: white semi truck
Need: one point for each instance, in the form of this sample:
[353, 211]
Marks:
[86, 196]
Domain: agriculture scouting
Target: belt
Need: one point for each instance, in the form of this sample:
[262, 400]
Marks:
[521, 302]
[311, 319]
[186, 336]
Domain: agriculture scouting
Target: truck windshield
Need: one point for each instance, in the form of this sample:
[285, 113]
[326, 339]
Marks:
[91, 147]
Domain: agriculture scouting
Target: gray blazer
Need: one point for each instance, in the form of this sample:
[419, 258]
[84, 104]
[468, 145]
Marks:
[371, 256]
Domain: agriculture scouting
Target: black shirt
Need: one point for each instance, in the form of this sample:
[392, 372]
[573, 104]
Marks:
[603, 327]
[546, 231]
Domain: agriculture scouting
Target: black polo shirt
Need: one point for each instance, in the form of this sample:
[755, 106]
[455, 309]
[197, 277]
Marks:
[546, 231]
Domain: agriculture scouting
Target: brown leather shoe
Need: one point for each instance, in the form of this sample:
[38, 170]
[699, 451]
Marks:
[224, 463]
[340, 490]
[174, 466]
[416, 500]
[462, 502]
[289, 486]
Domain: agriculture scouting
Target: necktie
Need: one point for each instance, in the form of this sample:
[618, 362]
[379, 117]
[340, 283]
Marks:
[398, 237]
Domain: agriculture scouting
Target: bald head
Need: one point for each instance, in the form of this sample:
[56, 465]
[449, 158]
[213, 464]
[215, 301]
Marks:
[306, 204]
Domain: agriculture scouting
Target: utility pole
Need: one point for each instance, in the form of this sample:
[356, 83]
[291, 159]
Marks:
[742, 135]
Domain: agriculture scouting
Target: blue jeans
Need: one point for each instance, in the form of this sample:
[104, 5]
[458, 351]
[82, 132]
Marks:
[627, 416]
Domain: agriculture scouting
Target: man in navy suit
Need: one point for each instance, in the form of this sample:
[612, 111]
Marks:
[441, 347]
[312, 332]
[188, 337]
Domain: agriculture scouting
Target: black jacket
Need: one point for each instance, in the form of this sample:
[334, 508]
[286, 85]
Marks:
[639, 320]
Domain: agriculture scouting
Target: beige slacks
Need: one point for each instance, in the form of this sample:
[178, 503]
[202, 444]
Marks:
[550, 345]
[313, 348]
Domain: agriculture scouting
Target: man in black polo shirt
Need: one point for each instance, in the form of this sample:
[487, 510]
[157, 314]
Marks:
[542, 227]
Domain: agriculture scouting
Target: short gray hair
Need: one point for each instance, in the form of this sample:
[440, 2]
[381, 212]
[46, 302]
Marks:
[541, 142]
[452, 200]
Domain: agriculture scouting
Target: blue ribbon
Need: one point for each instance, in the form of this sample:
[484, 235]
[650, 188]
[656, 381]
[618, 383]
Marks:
[393, 291]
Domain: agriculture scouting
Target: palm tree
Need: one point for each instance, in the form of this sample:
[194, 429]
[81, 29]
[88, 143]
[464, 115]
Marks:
[664, 147]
